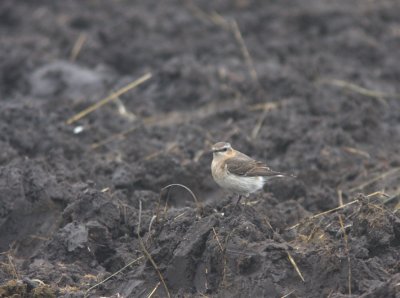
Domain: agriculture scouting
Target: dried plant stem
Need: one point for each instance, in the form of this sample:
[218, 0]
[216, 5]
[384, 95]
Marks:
[147, 254]
[154, 290]
[357, 151]
[288, 294]
[358, 89]
[112, 275]
[377, 193]
[259, 123]
[295, 266]
[392, 198]
[326, 212]
[217, 238]
[245, 52]
[346, 241]
[78, 46]
[109, 98]
[381, 176]
[111, 138]
[14, 269]
[229, 25]
[223, 252]
[340, 197]
[167, 188]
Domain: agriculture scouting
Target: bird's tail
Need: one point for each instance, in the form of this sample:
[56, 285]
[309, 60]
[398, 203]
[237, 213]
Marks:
[274, 174]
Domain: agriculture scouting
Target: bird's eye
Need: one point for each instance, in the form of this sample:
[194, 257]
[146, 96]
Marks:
[224, 150]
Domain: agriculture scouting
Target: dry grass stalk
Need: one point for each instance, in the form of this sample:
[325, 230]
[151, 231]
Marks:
[346, 241]
[288, 294]
[269, 106]
[39, 237]
[231, 26]
[120, 135]
[377, 193]
[245, 52]
[82, 38]
[151, 223]
[266, 108]
[392, 198]
[112, 275]
[206, 280]
[357, 151]
[154, 290]
[257, 127]
[326, 212]
[340, 197]
[10, 267]
[379, 177]
[165, 191]
[223, 252]
[295, 266]
[109, 98]
[312, 233]
[168, 148]
[148, 255]
[179, 215]
[212, 17]
[217, 238]
[219, 20]
[268, 224]
[360, 90]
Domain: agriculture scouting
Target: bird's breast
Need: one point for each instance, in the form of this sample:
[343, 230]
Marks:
[234, 183]
[217, 169]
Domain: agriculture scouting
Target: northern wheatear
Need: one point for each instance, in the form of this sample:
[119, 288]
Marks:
[237, 172]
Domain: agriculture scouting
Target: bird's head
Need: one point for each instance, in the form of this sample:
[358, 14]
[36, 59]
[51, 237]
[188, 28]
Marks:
[222, 149]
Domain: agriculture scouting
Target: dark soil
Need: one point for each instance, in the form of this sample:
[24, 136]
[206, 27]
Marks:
[318, 98]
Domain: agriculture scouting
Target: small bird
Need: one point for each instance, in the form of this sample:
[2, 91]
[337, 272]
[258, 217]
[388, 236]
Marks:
[237, 172]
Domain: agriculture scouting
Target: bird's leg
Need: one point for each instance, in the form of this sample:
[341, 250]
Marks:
[246, 200]
[240, 197]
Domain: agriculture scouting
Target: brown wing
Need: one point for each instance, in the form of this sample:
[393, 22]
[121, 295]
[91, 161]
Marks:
[246, 166]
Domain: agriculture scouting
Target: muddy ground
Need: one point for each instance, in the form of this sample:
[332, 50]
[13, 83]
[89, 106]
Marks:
[311, 87]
